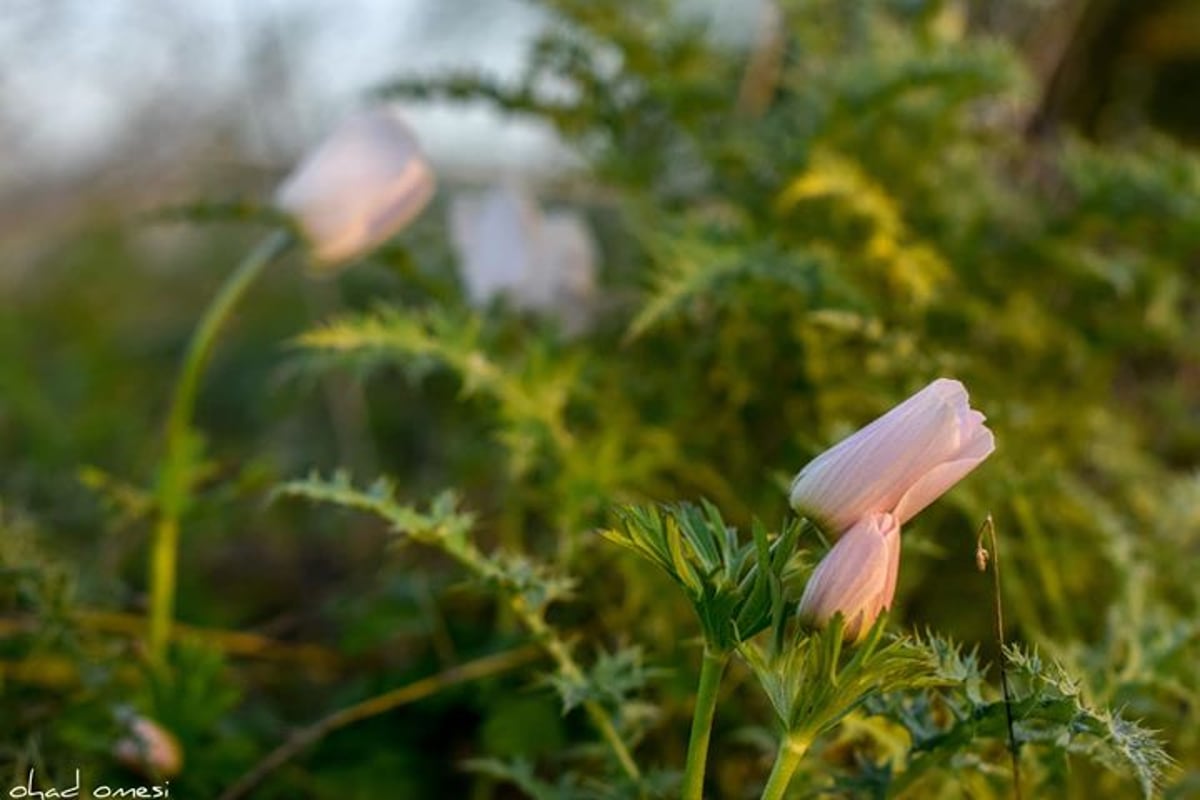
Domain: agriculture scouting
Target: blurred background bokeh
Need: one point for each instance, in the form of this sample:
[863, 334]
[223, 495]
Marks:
[1040, 153]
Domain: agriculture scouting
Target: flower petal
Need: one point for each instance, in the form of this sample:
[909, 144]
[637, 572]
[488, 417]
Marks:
[937, 481]
[873, 470]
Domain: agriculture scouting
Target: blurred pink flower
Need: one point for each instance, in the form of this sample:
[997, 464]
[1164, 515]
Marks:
[364, 183]
[898, 464]
[544, 262]
[857, 577]
[149, 749]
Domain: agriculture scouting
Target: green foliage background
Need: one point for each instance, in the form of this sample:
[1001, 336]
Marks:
[793, 238]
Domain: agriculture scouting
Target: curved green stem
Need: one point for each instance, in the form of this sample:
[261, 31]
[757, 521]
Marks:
[608, 731]
[791, 751]
[557, 649]
[174, 484]
[711, 670]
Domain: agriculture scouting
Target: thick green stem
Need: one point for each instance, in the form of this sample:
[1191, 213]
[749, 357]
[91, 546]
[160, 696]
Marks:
[174, 485]
[163, 558]
[711, 670]
[791, 751]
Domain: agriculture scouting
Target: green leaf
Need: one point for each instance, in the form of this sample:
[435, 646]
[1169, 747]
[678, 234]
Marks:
[732, 585]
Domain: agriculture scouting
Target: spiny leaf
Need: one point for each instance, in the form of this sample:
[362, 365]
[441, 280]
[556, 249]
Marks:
[813, 684]
[703, 555]
[440, 524]
[613, 679]
[531, 395]
[699, 271]
[1047, 694]
[1048, 708]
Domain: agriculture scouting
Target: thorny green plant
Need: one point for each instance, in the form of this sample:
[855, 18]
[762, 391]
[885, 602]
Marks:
[779, 268]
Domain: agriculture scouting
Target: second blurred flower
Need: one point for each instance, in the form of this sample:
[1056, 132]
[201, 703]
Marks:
[507, 247]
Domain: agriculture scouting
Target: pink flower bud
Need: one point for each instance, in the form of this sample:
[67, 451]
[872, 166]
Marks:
[857, 577]
[363, 184]
[149, 749]
[899, 464]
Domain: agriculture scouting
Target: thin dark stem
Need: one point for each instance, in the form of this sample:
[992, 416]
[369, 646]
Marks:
[981, 557]
[307, 736]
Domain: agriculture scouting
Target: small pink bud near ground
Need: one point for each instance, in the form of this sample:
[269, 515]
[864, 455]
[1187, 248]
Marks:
[898, 464]
[364, 183]
[149, 749]
[857, 577]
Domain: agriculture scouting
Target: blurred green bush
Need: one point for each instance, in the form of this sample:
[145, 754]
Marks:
[795, 232]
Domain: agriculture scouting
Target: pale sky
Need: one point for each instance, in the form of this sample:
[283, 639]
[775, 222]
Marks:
[79, 77]
[75, 72]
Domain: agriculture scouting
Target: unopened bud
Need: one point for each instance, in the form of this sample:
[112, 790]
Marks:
[149, 749]
[857, 577]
